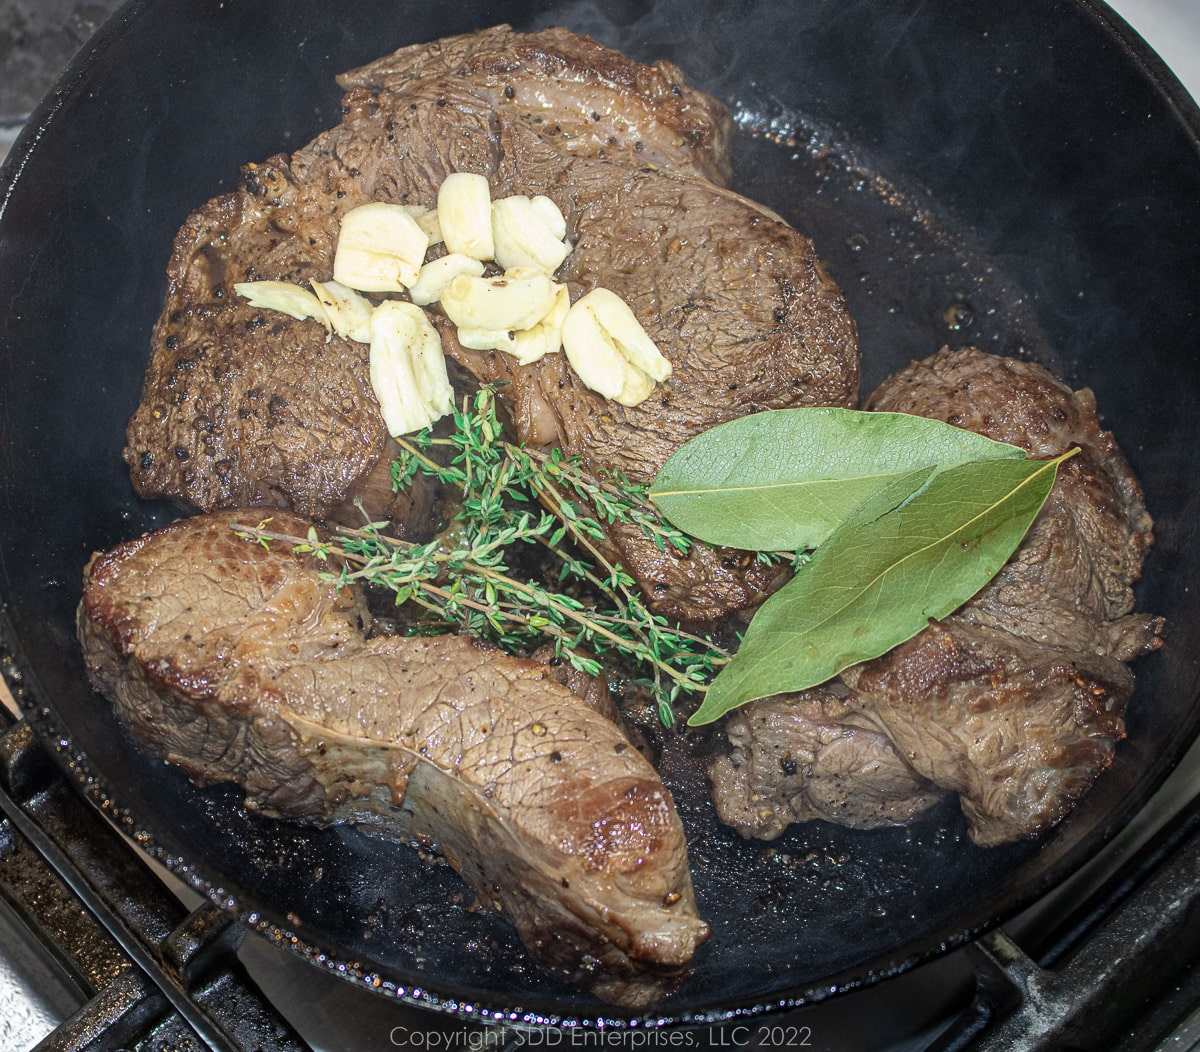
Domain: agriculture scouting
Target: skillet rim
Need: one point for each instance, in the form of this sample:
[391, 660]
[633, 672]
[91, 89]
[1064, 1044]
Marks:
[23, 681]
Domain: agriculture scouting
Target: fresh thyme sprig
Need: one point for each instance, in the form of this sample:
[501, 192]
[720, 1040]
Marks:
[513, 496]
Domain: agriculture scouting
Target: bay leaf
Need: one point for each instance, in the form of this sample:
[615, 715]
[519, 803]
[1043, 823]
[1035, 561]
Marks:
[881, 577]
[783, 480]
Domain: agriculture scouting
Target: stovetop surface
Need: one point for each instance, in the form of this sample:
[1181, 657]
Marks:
[37, 39]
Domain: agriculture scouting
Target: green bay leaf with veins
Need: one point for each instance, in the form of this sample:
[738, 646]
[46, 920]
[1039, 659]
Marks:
[893, 566]
[783, 480]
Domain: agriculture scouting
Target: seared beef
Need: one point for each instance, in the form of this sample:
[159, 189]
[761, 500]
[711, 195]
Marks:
[813, 754]
[243, 406]
[738, 304]
[1070, 583]
[241, 664]
[1016, 701]
[1019, 730]
[246, 407]
[595, 99]
[591, 690]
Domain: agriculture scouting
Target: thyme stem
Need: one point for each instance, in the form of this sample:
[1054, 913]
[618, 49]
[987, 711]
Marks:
[463, 577]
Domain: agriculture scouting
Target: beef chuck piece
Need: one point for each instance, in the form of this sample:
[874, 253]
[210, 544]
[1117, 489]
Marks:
[591, 690]
[1018, 729]
[246, 407]
[1016, 701]
[1070, 582]
[241, 664]
[597, 101]
[813, 754]
[734, 298]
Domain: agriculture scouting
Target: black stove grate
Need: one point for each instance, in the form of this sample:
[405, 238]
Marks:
[150, 974]
[1121, 973]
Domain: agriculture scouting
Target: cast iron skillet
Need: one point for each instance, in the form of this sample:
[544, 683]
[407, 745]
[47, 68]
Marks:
[1022, 175]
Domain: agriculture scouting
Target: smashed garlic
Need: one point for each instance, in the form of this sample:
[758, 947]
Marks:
[610, 351]
[550, 215]
[438, 273]
[526, 345]
[529, 232]
[517, 300]
[380, 248]
[283, 296]
[427, 220]
[408, 369]
[348, 311]
[464, 211]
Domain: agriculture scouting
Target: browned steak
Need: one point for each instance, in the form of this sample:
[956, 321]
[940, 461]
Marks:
[734, 298]
[241, 664]
[593, 99]
[1019, 730]
[813, 754]
[244, 407]
[1016, 701]
[1070, 582]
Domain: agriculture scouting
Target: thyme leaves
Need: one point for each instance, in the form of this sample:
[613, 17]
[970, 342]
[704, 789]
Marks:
[922, 542]
[468, 579]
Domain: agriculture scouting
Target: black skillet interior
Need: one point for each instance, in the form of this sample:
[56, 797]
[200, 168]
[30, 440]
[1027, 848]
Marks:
[1014, 174]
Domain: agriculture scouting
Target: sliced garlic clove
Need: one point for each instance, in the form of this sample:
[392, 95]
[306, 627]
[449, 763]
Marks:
[638, 387]
[516, 300]
[523, 232]
[408, 369]
[438, 273]
[528, 344]
[427, 220]
[546, 336]
[464, 210]
[525, 345]
[380, 248]
[593, 355]
[551, 215]
[283, 296]
[488, 339]
[622, 326]
[611, 352]
[349, 312]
